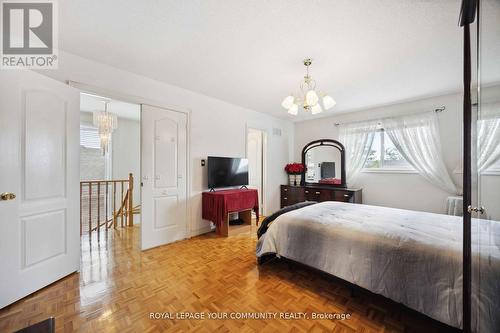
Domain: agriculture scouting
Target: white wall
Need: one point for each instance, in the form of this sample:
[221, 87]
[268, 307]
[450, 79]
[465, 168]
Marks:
[126, 154]
[217, 127]
[403, 190]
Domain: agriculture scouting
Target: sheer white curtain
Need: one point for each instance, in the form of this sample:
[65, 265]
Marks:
[417, 139]
[488, 136]
[357, 139]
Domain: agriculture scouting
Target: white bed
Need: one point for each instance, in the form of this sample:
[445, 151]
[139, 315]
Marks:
[414, 258]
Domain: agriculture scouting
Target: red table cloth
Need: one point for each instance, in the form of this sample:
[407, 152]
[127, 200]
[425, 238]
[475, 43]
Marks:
[217, 204]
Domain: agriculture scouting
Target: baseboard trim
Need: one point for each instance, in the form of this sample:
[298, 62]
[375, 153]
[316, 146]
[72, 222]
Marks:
[201, 231]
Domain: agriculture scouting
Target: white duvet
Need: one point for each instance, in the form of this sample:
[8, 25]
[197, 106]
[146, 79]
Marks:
[414, 258]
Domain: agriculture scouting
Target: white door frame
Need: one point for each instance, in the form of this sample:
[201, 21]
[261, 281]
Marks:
[140, 100]
[264, 162]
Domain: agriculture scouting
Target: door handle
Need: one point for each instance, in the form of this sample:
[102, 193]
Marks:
[479, 210]
[7, 196]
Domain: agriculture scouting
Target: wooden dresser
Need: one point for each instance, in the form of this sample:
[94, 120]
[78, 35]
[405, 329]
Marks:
[294, 194]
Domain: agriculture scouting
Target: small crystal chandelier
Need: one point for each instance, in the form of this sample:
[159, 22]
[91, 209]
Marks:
[308, 97]
[106, 122]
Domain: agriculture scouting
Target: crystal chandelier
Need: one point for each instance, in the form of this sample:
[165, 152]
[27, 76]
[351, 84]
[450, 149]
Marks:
[106, 122]
[308, 98]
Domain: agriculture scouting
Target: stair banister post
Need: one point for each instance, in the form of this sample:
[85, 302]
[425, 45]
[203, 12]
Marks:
[130, 209]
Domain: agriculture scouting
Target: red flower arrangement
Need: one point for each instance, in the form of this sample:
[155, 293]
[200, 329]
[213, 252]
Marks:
[295, 168]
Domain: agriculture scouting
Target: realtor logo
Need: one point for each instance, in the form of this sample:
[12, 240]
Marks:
[28, 34]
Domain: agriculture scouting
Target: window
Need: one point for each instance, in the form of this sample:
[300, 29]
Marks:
[89, 138]
[93, 164]
[384, 155]
[311, 169]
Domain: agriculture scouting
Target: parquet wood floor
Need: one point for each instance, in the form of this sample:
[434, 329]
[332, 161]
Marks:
[119, 286]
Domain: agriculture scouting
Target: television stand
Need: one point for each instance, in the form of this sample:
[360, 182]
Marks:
[218, 205]
[227, 229]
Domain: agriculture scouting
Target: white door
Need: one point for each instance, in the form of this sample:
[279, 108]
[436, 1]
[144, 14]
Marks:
[255, 155]
[164, 174]
[39, 163]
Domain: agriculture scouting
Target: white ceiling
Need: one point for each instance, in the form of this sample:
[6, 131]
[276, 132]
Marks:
[91, 103]
[249, 53]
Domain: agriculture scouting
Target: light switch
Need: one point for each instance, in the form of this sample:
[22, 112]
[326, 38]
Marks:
[202, 163]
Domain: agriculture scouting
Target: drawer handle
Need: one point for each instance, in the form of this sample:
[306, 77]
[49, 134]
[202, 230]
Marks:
[285, 189]
[318, 192]
[307, 192]
[346, 195]
[285, 198]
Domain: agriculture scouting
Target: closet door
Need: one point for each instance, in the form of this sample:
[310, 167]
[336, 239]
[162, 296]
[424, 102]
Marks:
[164, 176]
[484, 209]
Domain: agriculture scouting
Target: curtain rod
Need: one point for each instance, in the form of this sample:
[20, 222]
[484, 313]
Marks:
[437, 110]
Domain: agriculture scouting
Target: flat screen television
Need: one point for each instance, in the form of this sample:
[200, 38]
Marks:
[227, 171]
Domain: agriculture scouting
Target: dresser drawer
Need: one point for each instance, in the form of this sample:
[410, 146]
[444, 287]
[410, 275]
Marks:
[291, 195]
[312, 194]
[344, 196]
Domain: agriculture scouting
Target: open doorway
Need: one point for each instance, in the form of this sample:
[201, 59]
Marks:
[256, 154]
[110, 165]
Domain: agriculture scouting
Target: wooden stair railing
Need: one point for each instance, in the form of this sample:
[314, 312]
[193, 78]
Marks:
[107, 200]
